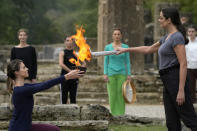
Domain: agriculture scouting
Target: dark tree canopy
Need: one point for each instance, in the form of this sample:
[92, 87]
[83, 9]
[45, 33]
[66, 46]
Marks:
[49, 20]
[46, 20]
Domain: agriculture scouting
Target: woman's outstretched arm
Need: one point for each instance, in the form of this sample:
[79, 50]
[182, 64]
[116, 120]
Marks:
[34, 88]
[141, 49]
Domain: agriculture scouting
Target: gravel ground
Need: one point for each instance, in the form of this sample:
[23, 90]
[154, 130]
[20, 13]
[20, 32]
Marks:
[151, 111]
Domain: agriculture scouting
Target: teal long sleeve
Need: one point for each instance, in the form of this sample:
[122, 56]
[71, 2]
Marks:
[117, 64]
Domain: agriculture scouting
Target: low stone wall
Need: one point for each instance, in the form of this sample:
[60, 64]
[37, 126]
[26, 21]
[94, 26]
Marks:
[86, 117]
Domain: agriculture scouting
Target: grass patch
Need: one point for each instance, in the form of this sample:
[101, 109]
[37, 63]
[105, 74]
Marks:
[137, 128]
[133, 128]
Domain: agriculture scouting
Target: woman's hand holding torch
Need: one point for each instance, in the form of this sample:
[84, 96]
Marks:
[121, 50]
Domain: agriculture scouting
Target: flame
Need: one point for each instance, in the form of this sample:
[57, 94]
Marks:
[72, 60]
[84, 48]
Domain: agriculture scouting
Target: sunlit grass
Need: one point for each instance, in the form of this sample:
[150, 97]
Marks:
[137, 128]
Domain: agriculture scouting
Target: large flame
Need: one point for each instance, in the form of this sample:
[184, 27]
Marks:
[84, 48]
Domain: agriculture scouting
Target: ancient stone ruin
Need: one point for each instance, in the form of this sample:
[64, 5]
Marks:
[126, 15]
[89, 117]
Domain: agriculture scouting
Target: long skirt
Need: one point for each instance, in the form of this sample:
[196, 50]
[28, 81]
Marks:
[116, 100]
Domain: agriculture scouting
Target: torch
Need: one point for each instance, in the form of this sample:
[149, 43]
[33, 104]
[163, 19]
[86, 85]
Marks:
[84, 49]
[103, 53]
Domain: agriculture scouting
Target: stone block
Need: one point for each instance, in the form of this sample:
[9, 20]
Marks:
[5, 113]
[3, 76]
[94, 112]
[56, 113]
[4, 98]
[4, 125]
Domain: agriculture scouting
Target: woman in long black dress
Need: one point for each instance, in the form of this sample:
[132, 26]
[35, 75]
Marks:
[27, 54]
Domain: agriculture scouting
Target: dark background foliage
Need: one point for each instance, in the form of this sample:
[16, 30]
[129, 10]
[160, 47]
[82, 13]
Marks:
[48, 21]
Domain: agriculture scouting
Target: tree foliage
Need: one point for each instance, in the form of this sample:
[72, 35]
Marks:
[185, 6]
[28, 14]
[80, 12]
[47, 20]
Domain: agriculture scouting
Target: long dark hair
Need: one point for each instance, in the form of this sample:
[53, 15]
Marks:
[173, 14]
[13, 66]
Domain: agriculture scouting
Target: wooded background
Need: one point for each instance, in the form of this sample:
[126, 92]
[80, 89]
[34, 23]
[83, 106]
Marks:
[48, 21]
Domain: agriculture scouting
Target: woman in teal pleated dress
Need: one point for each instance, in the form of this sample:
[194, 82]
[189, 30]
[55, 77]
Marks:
[116, 71]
